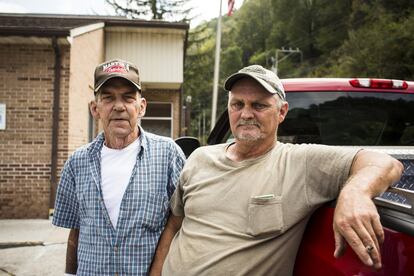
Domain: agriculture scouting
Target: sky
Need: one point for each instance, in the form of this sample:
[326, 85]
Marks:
[203, 9]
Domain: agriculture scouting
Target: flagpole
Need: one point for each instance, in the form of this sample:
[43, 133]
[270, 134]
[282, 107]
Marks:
[216, 71]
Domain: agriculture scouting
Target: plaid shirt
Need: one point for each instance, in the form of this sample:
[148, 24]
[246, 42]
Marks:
[128, 249]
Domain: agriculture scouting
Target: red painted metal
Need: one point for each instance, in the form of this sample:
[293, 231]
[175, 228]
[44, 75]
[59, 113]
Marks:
[335, 84]
[315, 255]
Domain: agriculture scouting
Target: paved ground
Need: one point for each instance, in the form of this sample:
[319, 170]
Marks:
[31, 247]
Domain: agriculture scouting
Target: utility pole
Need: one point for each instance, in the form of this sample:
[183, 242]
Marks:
[188, 115]
[216, 71]
[289, 52]
[204, 128]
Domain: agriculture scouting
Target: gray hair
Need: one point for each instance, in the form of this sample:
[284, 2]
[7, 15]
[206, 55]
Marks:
[279, 101]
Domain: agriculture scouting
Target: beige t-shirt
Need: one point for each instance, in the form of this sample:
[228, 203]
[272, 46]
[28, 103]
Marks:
[247, 218]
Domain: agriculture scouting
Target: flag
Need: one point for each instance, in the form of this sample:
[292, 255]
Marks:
[230, 6]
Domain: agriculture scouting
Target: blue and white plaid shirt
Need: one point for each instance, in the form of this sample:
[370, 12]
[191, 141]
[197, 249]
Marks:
[128, 249]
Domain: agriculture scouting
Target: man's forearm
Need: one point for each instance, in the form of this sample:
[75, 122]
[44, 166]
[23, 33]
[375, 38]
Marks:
[356, 218]
[372, 173]
[72, 252]
[171, 228]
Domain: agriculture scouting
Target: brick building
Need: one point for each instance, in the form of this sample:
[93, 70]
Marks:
[46, 83]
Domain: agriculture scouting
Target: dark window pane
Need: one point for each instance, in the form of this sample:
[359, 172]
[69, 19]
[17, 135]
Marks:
[341, 118]
[158, 110]
[91, 128]
[160, 127]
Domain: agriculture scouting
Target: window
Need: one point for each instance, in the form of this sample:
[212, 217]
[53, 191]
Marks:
[158, 118]
[91, 127]
[349, 118]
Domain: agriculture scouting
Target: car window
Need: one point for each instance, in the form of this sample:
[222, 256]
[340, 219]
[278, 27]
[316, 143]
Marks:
[354, 118]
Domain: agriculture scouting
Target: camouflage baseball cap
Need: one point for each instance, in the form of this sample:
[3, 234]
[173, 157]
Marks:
[264, 77]
[116, 68]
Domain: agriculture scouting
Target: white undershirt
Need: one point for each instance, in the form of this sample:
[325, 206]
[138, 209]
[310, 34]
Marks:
[116, 170]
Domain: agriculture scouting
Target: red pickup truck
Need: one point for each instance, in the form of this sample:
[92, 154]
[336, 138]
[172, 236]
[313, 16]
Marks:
[376, 114]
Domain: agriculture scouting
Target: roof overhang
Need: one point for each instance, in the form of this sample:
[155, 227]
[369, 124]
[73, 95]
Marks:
[29, 36]
[39, 28]
[34, 40]
[153, 30]
[83, 30]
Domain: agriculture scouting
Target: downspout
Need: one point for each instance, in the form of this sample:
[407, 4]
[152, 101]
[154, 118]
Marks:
[55, 126]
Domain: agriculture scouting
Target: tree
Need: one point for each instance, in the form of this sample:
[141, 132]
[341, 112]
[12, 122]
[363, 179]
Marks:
[198, 74]
[314, 26]
[380, 48]
[174, 10]
[252, 28]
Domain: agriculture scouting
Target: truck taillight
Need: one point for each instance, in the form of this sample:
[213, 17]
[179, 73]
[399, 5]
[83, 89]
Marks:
[379, 83]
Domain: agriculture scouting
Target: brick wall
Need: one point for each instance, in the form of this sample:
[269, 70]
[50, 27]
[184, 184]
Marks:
[26, 87]
[169, 96]
[87, 51]
[63, 139]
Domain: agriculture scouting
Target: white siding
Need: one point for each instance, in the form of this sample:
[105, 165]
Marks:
[158, 53]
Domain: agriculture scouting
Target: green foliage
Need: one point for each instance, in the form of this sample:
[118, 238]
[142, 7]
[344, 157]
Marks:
[383, 49]
[313, 26]
[198, 74]
[252, 23]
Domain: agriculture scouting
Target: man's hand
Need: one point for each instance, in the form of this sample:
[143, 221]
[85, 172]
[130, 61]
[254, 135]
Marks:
[356, 219]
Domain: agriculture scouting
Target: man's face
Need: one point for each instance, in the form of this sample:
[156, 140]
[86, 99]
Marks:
[254, 113]
[118, 106]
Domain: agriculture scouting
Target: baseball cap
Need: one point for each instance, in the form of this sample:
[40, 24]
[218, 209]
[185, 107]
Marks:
[116, 68]
[263, 76]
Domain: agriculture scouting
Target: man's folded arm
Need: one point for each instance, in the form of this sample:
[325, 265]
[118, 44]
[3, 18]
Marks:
[356, 219]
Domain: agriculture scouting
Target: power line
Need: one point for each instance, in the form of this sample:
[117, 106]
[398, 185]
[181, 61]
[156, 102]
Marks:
[289, 52]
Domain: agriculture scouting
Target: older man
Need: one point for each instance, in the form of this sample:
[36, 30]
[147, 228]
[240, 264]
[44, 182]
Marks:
[114, 192]
[241, 208]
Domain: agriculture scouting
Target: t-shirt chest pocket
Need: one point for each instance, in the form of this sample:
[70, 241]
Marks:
[265, 215]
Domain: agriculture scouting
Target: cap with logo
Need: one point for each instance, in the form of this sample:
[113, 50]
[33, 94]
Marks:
[116, 68]
[264, 77]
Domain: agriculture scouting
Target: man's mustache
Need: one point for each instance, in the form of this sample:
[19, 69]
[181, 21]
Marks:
[248, 123]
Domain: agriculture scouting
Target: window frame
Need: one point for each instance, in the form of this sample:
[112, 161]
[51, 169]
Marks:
[152, 118]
